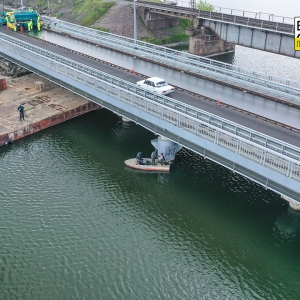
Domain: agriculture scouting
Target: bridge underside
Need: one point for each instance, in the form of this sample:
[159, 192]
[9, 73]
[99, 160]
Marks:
[257, 38]
[254, 38]
[204, 42]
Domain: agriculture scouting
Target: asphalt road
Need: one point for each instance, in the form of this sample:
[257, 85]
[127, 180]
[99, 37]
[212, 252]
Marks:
[259, 105]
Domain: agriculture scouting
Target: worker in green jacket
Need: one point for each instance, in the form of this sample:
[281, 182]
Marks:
[31, 24]
[38, 24]
[28, 25]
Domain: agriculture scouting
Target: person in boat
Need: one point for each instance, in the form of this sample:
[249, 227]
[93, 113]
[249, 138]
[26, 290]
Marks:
[162, 159]
[139, 158]
[153, 156]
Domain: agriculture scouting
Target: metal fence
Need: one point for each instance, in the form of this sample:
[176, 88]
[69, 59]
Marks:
[278, 87]
[269, 152]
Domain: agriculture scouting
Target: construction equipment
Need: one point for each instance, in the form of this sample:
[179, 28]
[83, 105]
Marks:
[21, 18]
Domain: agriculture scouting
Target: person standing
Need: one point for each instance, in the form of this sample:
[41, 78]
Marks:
[153, 156]
[21, 110]
[38, 24]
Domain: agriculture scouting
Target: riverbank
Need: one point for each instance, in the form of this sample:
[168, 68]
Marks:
[46, 104]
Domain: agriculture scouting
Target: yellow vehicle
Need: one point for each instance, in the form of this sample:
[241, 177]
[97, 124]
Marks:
[22, 18]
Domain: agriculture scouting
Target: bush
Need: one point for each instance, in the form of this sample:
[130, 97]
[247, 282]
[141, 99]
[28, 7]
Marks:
[203, 5]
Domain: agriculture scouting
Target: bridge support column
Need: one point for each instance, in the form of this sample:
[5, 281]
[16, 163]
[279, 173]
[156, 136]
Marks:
[295, 205]
[167, 147]
[125, 120]
[206, 42]
[155, 21]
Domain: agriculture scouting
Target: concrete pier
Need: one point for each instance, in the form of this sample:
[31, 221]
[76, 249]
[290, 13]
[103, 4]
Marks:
[295, 205]
[46, 104]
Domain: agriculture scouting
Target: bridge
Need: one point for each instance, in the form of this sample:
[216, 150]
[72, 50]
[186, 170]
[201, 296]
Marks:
[266, 160]
[268, 35]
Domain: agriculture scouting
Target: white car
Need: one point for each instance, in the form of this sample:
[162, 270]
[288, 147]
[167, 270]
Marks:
[156, 85]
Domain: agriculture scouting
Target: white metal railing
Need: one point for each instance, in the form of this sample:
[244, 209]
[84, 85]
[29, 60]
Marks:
[273, 85]
[186, 117]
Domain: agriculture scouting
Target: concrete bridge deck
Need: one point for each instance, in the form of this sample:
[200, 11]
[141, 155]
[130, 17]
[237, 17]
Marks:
[275, 111]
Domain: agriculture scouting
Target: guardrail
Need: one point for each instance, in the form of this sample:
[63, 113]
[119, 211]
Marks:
[277, 87]
[247, 14]
[269, 152]
[270, 25]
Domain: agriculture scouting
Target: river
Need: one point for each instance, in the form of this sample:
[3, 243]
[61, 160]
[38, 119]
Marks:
[77, 224]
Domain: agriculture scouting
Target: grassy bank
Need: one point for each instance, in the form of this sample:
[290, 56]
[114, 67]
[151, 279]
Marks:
[91, 10]
[173, 35]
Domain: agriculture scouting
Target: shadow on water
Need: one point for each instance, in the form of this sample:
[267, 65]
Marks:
[287, 226]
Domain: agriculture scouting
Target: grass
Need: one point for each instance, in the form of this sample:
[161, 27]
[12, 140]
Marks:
[174, 38]
[176, 34]
[94, 9]
[30, 108]
[101, 29]
[41, 3]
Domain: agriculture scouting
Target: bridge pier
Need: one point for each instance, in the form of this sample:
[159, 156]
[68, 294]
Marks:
[205, 41]
[125, 120]
[156, 21]
[295, 205]
[167, 147]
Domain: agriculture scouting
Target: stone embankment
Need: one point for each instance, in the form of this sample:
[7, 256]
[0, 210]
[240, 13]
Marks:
[119, 20]
[9, 69]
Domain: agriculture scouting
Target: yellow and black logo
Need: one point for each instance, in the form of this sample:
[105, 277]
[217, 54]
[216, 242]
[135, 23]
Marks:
[297, 34]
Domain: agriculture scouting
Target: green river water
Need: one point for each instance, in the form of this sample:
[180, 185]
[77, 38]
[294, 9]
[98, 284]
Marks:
[77, 224]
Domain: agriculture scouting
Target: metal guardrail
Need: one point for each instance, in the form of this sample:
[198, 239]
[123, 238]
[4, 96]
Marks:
[269, 152]
[277, 87]
[247, 14]
[270, 25]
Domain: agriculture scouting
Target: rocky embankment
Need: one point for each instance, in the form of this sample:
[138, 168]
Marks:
[10, 69]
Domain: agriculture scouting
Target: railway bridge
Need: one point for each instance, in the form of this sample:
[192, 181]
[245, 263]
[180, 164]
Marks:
[264, 32]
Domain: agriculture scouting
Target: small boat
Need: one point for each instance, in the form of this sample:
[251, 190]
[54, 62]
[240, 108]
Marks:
[147, 166]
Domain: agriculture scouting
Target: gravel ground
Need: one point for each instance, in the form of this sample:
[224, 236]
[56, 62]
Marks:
[119, 20]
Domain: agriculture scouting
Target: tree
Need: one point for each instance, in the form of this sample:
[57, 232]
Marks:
[204, 5]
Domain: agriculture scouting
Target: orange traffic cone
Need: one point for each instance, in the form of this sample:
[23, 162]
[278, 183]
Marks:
[132, 71]
[218, 100]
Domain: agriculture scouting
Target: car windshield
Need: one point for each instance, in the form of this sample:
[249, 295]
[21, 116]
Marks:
[161, 83]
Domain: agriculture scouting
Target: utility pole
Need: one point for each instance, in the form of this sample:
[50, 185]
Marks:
[134, 21]
[48, 9]
[192, 6]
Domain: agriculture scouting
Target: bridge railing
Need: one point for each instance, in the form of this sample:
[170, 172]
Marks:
[277, 86]
[270, 24]
[246, 14]
[267, 151]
